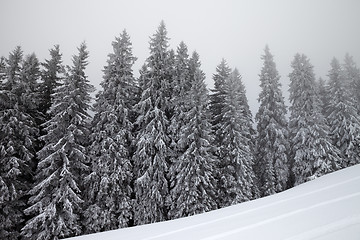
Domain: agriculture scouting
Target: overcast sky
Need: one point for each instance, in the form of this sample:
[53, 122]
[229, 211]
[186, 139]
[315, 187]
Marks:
[236, 30]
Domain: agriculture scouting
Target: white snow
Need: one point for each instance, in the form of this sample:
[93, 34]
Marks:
[326, 208]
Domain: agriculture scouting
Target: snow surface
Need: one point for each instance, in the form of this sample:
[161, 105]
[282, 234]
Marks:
[326, 208]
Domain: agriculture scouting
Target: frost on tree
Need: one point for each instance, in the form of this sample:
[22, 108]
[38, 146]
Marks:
[237, 177]
[193, 183]
[181, 87]
[18, 133]
[152, 142]
[272, 165]
[312, 151]
[55, 202]
[109, 183]
[51, 76]
[343, 118]
[352, 79]
[322, 91]
[217, 100]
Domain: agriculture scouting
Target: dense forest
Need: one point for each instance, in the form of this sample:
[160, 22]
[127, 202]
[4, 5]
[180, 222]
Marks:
[161, 146]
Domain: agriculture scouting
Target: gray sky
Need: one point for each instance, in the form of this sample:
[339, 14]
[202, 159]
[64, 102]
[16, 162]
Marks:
[236, 30]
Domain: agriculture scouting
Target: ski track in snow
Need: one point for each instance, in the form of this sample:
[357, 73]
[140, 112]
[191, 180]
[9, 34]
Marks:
[219, 236]
[328, 228]
[273, 219]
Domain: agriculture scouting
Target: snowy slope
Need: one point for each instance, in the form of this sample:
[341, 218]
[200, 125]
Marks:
[326, 208]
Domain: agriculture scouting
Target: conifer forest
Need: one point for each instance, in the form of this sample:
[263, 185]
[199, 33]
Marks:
[162, 145]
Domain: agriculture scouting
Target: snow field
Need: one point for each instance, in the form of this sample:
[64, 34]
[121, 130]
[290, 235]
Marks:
[326, 208]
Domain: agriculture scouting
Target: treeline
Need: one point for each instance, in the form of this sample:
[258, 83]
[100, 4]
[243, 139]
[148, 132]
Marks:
[161, 146]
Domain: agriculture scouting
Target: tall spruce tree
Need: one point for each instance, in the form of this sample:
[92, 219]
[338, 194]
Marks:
[237, 179]
[322, 91]
[217, 100]
[51, 76]
[55, 201]
[18, 133]
[151, 157]
[312, 151]
[181, 88]
[194, 185]
[343, 118]
[272, 164]
[31, 95]
[351, 75]
[109, 183]
[2, 70]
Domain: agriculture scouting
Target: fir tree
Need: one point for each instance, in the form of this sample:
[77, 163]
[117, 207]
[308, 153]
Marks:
[194, 186]
[217, 99]
[312, 152]
[181, 88]
[143, 79]
[109, 184]
[237, 175]
[2, 70]
[31, 96]
[51, 77]
[323, 94]
[55, 201]
[343, 118]
[272, 165]
[151, 157]
[352, 79]
[18, 133]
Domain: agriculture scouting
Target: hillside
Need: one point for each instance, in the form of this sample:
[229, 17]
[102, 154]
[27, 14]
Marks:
[326, 208]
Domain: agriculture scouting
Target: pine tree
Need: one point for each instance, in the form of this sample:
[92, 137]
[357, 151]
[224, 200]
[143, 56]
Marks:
[30, 95]
[194, 186]
[312, 152]
[217, 100]
[272, 165]
[18, 131]
[181, 88]
[352, 79]
[343, 118]
[151, 157]
[55, 201]
[323, 94]
[51, 77]
[237, 175]
[109, 183]
[2, 70]
[249, 131]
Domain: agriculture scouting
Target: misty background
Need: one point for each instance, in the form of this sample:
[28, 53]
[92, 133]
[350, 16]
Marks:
[235, 30]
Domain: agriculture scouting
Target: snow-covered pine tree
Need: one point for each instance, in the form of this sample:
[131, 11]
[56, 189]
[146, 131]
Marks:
[194, 185]
[312, 151]
[181, 86]
[249, 131]
[343, 118]
[352, 79]
[217, 100]
[2, 70]
[322, 91]
[55, 200]
[30, 95]
[109, 184]
[51, 76]
[18, 133]
[237, 177]
[143, 79]
[151, 157]
[272, 165]
[249, 124]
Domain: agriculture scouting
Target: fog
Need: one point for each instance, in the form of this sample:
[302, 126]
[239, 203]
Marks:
[235, 30]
